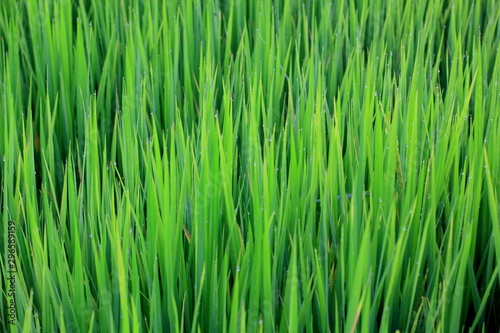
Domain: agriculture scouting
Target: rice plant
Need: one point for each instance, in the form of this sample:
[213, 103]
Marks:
[249, 166]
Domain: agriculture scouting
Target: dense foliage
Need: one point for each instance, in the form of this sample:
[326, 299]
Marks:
[202, 165]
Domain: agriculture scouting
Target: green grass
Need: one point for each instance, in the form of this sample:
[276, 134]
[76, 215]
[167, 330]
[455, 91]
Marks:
[251, 166]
